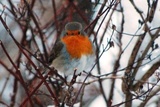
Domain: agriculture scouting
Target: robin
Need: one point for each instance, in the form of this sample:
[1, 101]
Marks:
[73, 51]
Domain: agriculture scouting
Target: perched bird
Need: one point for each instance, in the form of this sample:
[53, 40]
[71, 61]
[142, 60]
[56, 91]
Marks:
[73, 51]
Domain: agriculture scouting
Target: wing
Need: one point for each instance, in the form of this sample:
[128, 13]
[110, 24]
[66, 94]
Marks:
[55, 51]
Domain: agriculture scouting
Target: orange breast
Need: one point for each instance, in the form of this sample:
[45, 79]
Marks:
[77, 45]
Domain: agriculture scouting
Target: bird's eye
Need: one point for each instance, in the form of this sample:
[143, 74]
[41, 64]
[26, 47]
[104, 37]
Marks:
[66, 33]
[78, 32]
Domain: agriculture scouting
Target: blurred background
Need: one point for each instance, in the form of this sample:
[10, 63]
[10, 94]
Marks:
[126, 35]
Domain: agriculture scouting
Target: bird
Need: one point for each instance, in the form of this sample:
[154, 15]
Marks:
[73, 52]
